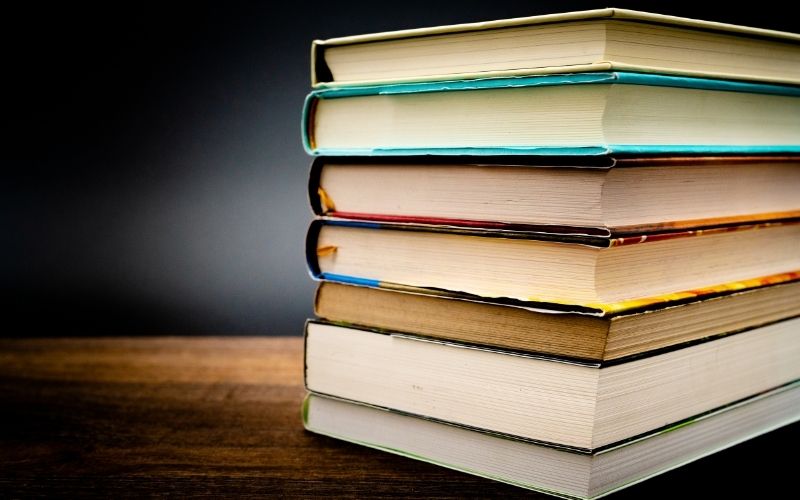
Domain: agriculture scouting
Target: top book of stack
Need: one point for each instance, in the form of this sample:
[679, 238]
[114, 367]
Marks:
[576, 42]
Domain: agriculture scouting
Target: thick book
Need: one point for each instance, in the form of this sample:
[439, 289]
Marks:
[580, 113]
[568, 335]
[619, 195]
[576, 272]
[592, 40]
[577, 405]
[552, 470]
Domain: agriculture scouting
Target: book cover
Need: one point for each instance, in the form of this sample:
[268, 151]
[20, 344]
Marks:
[478, 386]
[572, 335]
[323, 205]
[599, 78]
[499, 457]
[314, 251]
[321, 74]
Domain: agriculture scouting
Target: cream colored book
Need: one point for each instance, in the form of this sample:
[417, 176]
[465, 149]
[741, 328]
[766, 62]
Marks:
[575, 114]
[582, 406]
[579, 194]
[576, 272]
[594, 40]
[556, 471]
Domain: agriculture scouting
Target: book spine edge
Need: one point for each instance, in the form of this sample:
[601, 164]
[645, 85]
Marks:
[307, 123]
[312, 237]
[314, 176]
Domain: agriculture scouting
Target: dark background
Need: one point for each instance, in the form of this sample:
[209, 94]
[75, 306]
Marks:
[154, 179]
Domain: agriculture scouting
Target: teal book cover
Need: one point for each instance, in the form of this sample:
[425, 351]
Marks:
[645, 114]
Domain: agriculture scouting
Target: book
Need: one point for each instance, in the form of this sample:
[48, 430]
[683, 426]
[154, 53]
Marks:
[581, 113]
[553, 470]
[583, 406]
[569, 335]
[617, 195]
[593, 40]
[576, 272]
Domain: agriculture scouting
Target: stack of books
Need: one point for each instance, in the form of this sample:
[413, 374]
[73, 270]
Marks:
[560, 251]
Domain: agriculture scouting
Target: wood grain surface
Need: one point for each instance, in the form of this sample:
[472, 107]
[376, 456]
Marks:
[219, 416]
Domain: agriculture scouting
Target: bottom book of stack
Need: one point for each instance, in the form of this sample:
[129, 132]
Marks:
[559, 471]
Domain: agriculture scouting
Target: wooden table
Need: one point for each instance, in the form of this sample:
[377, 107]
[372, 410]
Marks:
[220, 417]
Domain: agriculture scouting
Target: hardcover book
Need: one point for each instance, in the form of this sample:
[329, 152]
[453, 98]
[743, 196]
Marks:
[614, 195]
[576, 114]
[593, 40]
[577, 405]
[553, 470]
[582, 336]
[564, 271]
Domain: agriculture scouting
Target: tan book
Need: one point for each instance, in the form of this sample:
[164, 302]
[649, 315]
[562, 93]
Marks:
[570, 335]
[593, 40]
